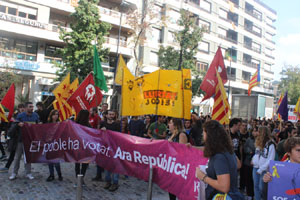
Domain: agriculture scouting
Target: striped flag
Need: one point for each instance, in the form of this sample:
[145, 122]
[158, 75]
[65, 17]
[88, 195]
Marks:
[255, 80]
[297, 109]
[2, 115]
[278, 103]
[221, 109]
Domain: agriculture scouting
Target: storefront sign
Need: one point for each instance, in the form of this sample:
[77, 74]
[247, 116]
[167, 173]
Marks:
[20, 20]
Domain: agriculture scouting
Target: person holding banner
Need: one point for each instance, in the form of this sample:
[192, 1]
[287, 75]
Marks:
[264, 152]
[158, 130]
[82, 119]
[221, 172]
[54, 118]
[292, 147]
[177, 135]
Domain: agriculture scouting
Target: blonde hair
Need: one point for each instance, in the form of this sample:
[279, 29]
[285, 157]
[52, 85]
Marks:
[264, 135]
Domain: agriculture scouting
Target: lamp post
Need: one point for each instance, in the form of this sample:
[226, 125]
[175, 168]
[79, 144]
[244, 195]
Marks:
[113, 104]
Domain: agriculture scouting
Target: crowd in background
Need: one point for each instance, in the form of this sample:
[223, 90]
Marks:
[245, 146]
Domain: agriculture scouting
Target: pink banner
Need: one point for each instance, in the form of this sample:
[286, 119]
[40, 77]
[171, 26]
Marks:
[173, 164]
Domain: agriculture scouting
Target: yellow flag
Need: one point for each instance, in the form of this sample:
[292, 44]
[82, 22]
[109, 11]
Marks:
[73, 86]
[122, 67]
[297, 109]
[62, 90]
[187, 92]
[160, 93]
[2, 114]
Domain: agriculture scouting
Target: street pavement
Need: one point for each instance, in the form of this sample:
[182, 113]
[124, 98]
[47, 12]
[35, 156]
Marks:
[38, 189]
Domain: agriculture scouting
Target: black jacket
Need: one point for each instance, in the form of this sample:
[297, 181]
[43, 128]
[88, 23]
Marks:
[14, 132]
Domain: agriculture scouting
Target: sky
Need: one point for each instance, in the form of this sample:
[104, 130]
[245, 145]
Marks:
[287, 37]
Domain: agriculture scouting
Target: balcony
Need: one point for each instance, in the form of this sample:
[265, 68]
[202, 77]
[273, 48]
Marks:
[113, 17]
[114, 41]
[269, 56]
[249, 29]
[250, 64]
[249, 46]
[270, 41]
[235, 2]
[227, 38]
[271, 26]
[254, 14]
[269, 71]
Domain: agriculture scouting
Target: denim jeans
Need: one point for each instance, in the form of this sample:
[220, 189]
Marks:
[57, 167]
[114, 176]
[258, 184]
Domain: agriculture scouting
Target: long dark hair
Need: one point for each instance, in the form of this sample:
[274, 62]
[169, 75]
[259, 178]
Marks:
[217, 140]
[53, 112]
[83, 118]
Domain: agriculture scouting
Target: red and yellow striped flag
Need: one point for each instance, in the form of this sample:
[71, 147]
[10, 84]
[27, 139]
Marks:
[255, 80]
[278, 103]
[2, 115]
[221, 109]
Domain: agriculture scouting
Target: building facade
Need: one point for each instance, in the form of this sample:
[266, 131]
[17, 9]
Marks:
[29, 38]
[243, 28]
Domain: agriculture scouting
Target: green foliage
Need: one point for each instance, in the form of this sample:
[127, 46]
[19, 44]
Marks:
[188, 39]
[196, 82]
[6, 79]
[290, 81]
[22, 99]
[86, 28]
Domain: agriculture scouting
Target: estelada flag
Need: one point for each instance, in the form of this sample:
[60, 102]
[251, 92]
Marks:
[210, 80]
[86, 96]
[9, 100]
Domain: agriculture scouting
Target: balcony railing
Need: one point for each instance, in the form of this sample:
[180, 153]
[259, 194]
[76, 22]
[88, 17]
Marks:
[56, 28]
[257, 50]
[250, 64]
[270, 41]
[271, 26]
[250, 12]
[17, 55]
[227, 38]
[249, 29]
[269, 71]
[49, 59]
[269, 56]
[112, 13]
[114, 41]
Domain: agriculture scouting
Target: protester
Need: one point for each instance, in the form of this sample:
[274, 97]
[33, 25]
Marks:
[221, 172]
[234, 127]
[147, 123]
[103, 110]
[26, 117]
[243, 137]
[54, 118]
[124, 125]
[195, 136]
[111, 124]
[249, 150]
[82, 119]
[42, 112]
[94, 118]
[264, 152]
[187, 126]
[289, 132]
[158, 130]
[136, 126]
[177, 135]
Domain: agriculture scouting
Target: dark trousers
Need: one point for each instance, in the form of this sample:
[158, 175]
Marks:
[10, 158]
[57, 167]
[2, 149]
[172, 196]
[243, 175]
[83, 169]
[99, 171]
[249, 181]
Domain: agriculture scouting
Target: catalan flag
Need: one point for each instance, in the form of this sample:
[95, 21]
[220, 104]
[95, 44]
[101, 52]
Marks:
[221, 109]
[297, 109]
[255, 80]
[278, 103]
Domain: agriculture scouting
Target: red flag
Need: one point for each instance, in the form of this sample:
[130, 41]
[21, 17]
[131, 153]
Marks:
[210, 80]
[9, 100]
[86, 96]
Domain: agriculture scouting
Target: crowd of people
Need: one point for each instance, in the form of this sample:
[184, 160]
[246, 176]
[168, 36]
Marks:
[239, 153]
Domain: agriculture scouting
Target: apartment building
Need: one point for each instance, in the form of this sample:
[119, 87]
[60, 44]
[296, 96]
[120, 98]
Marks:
[29, 38]
[243, 28]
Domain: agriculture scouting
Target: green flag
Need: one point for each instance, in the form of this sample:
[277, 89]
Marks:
[98, 72]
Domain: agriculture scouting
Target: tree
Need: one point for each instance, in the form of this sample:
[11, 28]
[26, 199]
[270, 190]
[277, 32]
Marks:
[188, 39]
[290, 82]
[8, 77]
[86, 28]
[141, 21]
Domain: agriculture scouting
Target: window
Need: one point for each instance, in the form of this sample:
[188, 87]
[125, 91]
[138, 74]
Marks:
[231, 72]
[51, 51]
[2, 9]
[174, 16]
[201, 66]
[18, 49]
[12, 11]
[232, 36]
[204, 46]
[204, 24]
[246, 76]
[171, 37]
[256, 47]
[22, 14]
[156, 35]
[154, 58]
[33, 17]
[205, 5]
[231, 54]
[247, 42]
[256, 30]
[233, 17]
[223, 14]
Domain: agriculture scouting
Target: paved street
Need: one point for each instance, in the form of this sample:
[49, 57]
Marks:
[25, 189]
